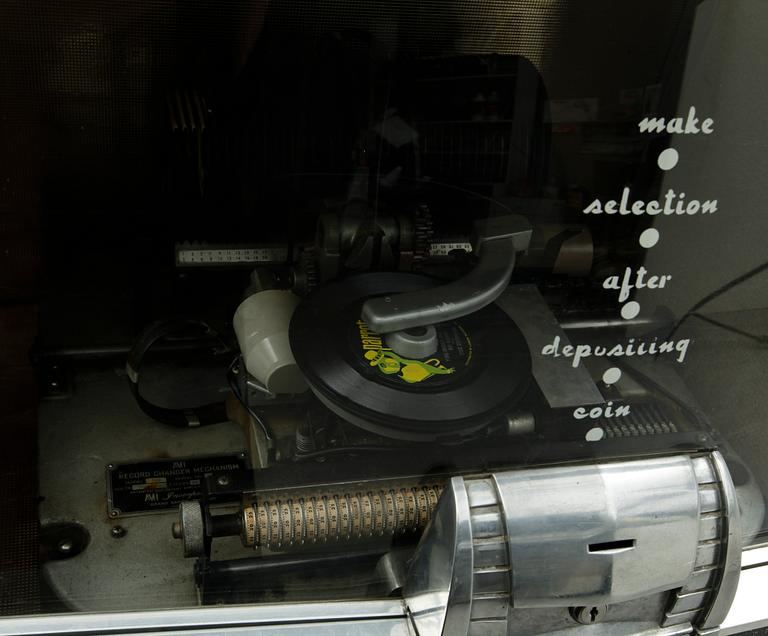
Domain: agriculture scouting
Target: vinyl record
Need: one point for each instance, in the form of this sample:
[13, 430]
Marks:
[479, 372]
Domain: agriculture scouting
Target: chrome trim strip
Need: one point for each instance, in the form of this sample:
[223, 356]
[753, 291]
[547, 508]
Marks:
[731, 563]
[749, 609]
[754, 556]
[217, 618]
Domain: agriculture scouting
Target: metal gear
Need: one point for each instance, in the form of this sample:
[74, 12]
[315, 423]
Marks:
[424, 231]
[305, 275]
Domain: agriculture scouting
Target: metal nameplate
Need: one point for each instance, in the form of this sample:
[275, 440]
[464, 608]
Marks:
[157, 485]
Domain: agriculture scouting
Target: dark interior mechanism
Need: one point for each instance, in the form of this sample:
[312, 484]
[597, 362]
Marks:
[612, 546]
[274, 274]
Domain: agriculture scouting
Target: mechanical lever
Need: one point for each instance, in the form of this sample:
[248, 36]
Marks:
[497, 241]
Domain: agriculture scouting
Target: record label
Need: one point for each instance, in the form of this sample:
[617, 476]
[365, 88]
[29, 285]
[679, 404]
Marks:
[452, 358]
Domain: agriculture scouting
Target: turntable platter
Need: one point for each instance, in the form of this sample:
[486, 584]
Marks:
[479, 372]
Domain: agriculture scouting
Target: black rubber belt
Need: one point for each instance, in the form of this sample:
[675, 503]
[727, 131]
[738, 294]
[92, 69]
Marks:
[183, 418]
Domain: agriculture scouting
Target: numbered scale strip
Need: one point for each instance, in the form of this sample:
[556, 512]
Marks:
[205, 255]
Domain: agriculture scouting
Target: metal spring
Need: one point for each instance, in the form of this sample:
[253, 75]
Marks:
[304, 441]
[275, 523]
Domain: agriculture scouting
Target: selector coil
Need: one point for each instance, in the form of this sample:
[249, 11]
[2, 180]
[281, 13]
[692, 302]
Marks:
[275, 522]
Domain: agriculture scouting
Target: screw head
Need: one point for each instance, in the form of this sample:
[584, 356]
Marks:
[113, 513]
[223, 480]
[117, 532]
[65, 546]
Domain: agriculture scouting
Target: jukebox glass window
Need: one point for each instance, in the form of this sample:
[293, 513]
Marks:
[436, 305]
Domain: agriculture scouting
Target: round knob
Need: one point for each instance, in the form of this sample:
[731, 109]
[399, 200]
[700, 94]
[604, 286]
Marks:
[190, 528]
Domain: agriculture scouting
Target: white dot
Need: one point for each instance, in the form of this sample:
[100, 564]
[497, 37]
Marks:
[630, 310]
[649, 237]
[594, 434]
[612, 375]
[668, 159]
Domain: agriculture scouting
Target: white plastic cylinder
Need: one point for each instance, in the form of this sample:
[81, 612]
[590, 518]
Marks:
[261, 325]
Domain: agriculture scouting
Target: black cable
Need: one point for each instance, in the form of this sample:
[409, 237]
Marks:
[719, 291]
[731, 328]
[183, 418]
